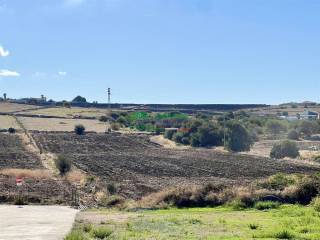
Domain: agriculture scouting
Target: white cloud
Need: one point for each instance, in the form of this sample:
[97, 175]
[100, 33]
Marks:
[3, 52]
[62, 73]
[8, 73]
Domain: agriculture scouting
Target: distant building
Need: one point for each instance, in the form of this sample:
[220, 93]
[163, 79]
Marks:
[309, 115]
[32, 100]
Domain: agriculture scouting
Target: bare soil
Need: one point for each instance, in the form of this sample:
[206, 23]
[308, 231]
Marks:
[140, 166]
[13, 153]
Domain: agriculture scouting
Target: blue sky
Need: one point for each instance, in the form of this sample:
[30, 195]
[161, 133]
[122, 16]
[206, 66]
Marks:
[161, 51]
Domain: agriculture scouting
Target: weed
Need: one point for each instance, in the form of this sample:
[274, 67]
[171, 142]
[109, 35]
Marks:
[87, 228]
[284, 234]
[253, 226]
[101, 232]
[266, 205]
[76, 235]
[195, 221]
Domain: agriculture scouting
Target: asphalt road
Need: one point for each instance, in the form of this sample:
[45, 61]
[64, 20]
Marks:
[35, 222]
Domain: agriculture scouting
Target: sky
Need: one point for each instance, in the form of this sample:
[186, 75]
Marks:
[161, 51]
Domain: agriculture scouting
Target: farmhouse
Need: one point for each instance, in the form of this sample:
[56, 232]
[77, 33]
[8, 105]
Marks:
[309, 115]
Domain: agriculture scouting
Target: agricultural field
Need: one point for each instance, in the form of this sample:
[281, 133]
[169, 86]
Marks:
[13, 154]
[61, 125]
[140, 167]
[285, 222]
[263, 147]
[14, 107]
[8, 122]
[69, 112]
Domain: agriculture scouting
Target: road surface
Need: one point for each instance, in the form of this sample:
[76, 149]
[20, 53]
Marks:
[35, 222]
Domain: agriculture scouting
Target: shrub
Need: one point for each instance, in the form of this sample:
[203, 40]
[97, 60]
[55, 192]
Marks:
[76, 235]
[303, 192]
[237, 205]
[277, 182]
[18, 200]
[79, 129]
[284, 149]
[87, 228]
[177, 137]
[112, 188]
[123, 121]
[293, 135]
[253, 226]
[284, 234]
[168, 133]
[238, 138]
[115, 126]
[266, 205]
[115, 115]
[103, 119]
[63, 164]
[308, 128]
[11, 130]
[101, 232]
[275, 126]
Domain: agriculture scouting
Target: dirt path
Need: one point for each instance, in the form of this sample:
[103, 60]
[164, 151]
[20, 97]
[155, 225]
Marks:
[35, 222]
[47, 159]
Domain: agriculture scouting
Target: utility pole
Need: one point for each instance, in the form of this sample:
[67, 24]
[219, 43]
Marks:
[109, 100]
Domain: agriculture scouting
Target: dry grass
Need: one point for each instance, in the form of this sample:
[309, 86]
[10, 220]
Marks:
[8, 122]
[6, 107]
[63, 125]
[26, 173]
[76, 177]
[309, 155]
[70, 112]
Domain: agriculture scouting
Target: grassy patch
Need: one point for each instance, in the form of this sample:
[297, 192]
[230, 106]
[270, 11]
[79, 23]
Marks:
[283, 222]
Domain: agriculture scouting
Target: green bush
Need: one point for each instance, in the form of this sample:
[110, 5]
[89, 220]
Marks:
[101, 232]
[266, 205]
[76, 235]
[284, 149]
[63, 164]
[284, 234]
[238, 138]
[115, 126]
[237, 205]
[293, 135]
[277, 182]
[123, 121]
[103, 119]
[168, 133]
[79, 129]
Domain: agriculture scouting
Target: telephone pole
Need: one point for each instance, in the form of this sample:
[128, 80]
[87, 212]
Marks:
[109, 100]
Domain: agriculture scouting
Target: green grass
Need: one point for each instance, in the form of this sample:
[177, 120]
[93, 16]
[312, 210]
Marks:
[284, 222]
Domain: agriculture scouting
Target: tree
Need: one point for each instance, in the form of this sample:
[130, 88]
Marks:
[79, 99]
[238, 137]
[284, 149]
[79, 129]
[209, 135]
